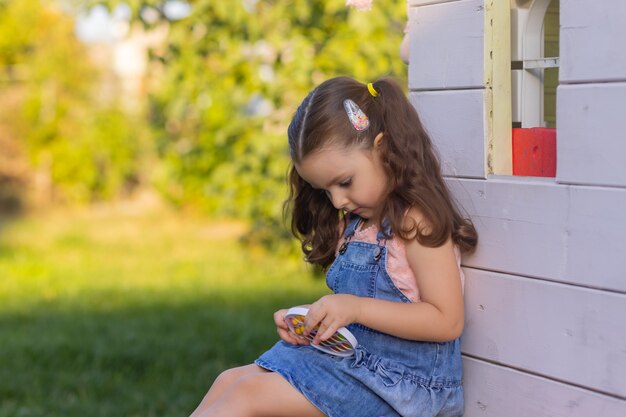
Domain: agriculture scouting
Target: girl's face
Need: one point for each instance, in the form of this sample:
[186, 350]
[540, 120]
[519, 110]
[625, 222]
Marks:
[353, 178]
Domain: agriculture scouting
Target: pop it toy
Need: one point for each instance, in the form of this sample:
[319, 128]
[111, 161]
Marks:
[342, 343]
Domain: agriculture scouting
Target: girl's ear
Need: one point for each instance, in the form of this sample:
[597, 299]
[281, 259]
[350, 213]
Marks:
[378, 140]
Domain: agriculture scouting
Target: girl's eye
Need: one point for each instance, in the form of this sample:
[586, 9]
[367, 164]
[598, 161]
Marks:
[346, 183]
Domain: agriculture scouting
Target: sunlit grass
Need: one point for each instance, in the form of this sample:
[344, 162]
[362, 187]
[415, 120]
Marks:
[132, 313]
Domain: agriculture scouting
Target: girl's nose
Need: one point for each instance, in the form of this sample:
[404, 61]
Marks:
[338, 200]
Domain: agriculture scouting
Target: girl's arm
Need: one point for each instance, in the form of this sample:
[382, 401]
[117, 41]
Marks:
[438, 317]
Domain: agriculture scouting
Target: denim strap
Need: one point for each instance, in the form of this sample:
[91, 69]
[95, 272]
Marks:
[355, 221]
[386, 233]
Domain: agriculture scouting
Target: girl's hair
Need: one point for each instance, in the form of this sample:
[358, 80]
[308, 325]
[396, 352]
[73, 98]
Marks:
[407, 154]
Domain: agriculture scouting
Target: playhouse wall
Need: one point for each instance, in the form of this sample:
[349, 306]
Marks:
[545, 292]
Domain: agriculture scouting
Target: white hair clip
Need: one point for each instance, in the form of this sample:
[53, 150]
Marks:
[356, 116]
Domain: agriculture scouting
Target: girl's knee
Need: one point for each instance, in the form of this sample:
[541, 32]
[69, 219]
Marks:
[232, 376]
[248, 384]
[228, 377]
[247, 391]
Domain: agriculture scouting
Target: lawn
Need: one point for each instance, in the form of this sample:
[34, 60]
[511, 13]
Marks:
[132, 312]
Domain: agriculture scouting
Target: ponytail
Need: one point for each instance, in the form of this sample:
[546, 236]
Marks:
[414, 173]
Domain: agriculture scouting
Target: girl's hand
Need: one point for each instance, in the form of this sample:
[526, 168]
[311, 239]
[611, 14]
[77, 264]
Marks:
[283, 329]
[331, 312]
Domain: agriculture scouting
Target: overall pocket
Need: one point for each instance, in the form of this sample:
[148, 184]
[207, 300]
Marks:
[349, 278]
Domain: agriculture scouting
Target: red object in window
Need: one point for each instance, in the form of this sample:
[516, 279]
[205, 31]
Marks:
[534, 152]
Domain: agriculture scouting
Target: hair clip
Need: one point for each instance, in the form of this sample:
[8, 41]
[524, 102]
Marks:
[358, 119]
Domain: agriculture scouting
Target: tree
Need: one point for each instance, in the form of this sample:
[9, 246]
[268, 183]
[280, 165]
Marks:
[229, 78]
[84, 148]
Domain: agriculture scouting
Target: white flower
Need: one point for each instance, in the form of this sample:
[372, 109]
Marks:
[360, 4]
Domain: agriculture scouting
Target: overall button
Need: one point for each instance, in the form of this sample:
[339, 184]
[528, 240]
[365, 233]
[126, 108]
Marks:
[378, 252]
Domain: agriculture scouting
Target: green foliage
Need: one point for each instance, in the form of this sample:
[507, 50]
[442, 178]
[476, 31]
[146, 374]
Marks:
[234, 74]
[84, 146]
[98, 160]
[221, 93]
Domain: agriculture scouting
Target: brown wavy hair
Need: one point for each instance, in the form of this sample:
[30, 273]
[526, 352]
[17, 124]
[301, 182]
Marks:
[407, 154]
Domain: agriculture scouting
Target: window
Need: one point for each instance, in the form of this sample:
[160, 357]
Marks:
[534, 79]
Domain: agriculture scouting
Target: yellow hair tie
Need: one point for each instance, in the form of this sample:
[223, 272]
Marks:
[372, 90]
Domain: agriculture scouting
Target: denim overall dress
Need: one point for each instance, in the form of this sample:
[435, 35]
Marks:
[387, 376]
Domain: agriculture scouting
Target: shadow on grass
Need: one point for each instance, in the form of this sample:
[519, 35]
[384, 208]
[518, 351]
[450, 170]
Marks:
[154, 357]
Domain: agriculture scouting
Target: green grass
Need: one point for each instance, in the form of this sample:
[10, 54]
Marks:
[118, 313]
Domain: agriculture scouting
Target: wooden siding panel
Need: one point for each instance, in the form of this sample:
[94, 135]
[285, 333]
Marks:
[521, 224]
[496, 391]
[455, 121]
[573, 334]
[441, 58]
[597, 237]
[591, 139]
[592, 41]
[535, 227]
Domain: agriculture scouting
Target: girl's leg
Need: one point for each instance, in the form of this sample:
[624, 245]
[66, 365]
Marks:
[224, 381]
[261, 394]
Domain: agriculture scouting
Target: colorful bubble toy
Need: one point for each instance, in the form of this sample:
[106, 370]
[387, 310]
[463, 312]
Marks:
[342, 343]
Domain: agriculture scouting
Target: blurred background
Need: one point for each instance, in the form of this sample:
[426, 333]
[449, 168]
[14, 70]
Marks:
[142, 173]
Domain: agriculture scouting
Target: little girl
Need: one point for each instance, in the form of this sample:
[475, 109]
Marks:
[369, 204]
